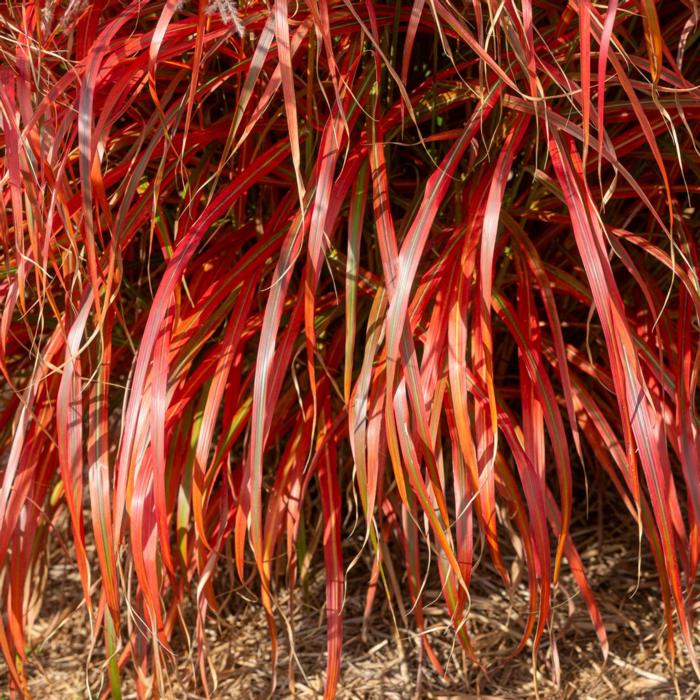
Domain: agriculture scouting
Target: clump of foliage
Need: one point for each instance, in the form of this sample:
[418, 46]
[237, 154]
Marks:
[266, 266]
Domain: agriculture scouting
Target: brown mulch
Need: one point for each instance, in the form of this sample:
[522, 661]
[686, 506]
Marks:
[385, 660]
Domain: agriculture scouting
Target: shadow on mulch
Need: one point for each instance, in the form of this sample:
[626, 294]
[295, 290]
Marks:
[385, 660]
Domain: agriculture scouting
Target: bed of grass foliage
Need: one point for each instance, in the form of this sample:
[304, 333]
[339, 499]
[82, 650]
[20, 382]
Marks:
[273, 272]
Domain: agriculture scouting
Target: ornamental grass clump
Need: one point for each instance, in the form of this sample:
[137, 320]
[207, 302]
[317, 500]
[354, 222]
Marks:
[269, 270]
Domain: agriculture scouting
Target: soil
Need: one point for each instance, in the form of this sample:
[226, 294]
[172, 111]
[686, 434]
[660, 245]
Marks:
[385, 659]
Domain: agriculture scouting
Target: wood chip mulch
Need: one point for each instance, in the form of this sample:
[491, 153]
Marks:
[385, 660]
